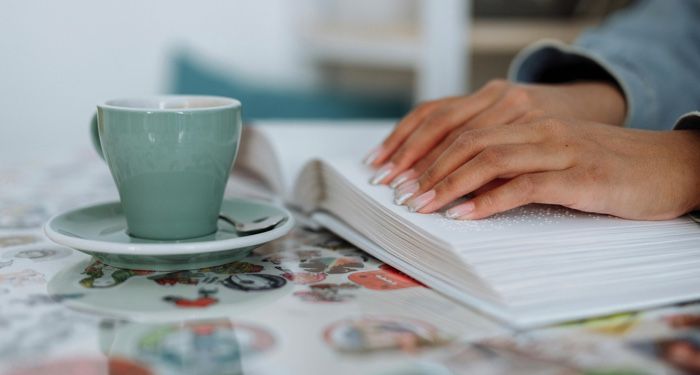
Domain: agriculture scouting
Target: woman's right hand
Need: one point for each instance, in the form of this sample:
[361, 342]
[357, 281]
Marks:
[427, 131]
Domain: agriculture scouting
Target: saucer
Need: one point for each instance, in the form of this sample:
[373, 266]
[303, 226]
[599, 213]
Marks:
[100, 230]
[231, 290]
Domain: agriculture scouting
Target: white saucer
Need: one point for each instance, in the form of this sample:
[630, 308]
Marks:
[100, 230]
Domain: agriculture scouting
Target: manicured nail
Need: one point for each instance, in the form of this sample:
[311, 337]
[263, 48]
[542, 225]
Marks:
[401, 178]
[460, 210]
[408, 185]
[372, 156]
[382, 173]
[421, 201]
[405, 191]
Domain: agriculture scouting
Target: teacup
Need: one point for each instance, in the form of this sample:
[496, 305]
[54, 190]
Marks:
[170, 157]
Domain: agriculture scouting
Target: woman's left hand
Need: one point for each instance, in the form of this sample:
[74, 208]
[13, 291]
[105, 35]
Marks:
[587, 166]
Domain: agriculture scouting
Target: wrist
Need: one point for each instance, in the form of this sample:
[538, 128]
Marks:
[692, 161]
[598, 101]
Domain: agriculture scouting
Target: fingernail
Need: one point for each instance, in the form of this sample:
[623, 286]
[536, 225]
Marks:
[405, 191]
[401, 178]
[460, 210]
[421, 201]
[372, 156]
[382, 173]
[410, 186]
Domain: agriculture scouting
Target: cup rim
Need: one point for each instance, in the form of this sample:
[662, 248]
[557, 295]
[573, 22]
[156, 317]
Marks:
[226, 103]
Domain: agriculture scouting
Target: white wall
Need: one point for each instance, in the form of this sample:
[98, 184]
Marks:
[59, 58]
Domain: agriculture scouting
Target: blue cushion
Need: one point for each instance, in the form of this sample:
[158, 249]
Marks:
[262, 102]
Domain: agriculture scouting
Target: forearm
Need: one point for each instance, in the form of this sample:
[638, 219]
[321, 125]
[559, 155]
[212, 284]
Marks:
[689, 125]
[649, 51]
[689, 161]
[598, 101]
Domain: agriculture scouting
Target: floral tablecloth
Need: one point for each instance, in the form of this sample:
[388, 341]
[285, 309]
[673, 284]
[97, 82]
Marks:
[305, 304]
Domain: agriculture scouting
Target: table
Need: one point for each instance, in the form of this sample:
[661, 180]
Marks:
[312, 303]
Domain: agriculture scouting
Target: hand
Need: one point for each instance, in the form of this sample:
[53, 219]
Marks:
[587, 166]
[425, 133]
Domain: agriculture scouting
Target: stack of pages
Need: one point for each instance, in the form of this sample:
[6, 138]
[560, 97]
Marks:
[531, 266]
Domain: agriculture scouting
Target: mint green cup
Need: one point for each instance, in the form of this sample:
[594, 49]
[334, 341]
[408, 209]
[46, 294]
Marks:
[170, 157]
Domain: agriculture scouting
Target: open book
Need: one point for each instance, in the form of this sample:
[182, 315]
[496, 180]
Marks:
[530, 266]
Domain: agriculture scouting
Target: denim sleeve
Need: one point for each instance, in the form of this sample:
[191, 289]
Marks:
[689, 121]
[650, 50]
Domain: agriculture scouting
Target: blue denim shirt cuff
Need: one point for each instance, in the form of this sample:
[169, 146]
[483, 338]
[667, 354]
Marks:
[551, 61]
[689, 121]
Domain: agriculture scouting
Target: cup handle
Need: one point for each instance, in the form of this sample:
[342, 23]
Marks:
[95, 135]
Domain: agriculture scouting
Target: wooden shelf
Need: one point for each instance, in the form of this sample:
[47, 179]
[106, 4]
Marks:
[510, 36]
[399, 46]
[392, 47]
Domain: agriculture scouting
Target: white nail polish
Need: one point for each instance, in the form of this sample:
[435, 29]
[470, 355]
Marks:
[421, 201]
[410, 186]
[402, 198]
[372, 156]
[461, 210]
[382, 173]
[397, 181]
[401, 178]
[451, 214]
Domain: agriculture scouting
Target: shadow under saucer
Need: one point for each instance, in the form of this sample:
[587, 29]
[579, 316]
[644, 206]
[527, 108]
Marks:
[150, 296]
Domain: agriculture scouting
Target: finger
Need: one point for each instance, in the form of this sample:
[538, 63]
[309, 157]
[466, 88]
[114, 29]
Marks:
[441, 124]
[432, 127]
[544, 187]
[462, 148]
[403, 129]
[491, 185]
[493, 116]
[491, 163]
[500, 113]
[407, 175]
[468, 145]
[433, 130]
[413, 186]
[425, 162]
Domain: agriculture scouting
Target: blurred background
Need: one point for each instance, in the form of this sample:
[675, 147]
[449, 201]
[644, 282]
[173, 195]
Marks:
[281, 58]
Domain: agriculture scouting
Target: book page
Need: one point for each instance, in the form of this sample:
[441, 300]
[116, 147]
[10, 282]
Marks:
[542, 263]
[295, 143]
[545, 221]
